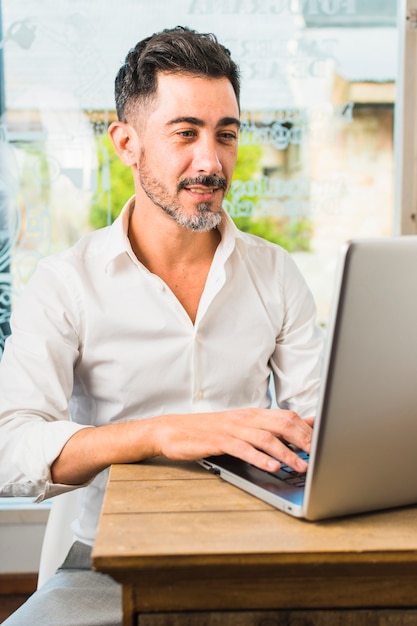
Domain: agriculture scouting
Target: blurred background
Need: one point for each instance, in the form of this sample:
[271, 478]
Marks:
[316, 158]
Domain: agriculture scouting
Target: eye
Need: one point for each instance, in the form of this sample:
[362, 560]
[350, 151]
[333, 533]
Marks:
[228, 136]
[187, 134]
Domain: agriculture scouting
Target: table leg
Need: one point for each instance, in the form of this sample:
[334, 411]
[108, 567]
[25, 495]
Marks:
[129, 618]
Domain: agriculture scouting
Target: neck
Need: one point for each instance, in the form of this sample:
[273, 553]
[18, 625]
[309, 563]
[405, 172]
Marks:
[158, 241]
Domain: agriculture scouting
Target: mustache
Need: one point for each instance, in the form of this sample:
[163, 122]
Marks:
[206, 181]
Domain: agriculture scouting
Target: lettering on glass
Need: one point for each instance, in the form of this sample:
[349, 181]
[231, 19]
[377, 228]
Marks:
[273, 7]
[285, 130]
[295, 198]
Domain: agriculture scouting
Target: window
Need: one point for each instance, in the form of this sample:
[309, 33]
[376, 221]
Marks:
[319, 109]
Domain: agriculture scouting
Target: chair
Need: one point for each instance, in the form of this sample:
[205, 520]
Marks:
[58, 536]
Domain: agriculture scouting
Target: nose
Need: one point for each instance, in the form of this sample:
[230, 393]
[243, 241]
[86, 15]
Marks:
[206, 159]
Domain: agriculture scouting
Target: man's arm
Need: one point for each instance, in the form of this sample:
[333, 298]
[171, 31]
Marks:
[297, 361]
[254, 435]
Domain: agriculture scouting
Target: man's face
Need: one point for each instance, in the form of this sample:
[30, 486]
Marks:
[188, 148]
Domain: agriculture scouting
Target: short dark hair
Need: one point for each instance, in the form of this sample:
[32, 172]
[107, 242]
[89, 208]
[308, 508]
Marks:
[176, 50]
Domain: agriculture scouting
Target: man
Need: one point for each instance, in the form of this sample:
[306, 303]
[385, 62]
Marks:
[158, 334]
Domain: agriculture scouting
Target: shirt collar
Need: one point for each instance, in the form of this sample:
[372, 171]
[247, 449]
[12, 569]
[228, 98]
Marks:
[231, 236]
[117, 242]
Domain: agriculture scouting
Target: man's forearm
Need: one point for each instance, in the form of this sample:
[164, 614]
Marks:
[91, 450]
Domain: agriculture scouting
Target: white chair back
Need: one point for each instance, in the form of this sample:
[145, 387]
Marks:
[58, 536]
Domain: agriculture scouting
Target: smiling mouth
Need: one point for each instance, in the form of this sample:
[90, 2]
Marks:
[203, 185]
[202, 191]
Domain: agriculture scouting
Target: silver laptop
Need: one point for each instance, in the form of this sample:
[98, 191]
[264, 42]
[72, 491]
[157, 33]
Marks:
[364, 450]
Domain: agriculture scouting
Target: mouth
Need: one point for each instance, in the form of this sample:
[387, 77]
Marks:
[202, 194]
[202, 190]
[203, 187]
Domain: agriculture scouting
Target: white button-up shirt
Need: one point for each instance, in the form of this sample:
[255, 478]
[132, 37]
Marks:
[97, 338]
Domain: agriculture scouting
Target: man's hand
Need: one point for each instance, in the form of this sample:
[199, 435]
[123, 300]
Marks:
[258, 436]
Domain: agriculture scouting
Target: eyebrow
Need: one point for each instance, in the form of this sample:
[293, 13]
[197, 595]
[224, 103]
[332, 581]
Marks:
[224, 121]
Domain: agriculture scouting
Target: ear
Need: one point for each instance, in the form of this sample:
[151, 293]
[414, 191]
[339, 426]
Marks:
[125, 141]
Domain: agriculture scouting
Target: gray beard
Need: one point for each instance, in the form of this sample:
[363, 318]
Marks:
[204, 221]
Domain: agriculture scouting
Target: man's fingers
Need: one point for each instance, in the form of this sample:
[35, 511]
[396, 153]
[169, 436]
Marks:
[266, 452]
[265, 427]
[309, 421]
[292, 427]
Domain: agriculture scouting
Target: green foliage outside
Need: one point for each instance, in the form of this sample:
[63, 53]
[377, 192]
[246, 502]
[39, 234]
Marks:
[290, 234]
[108, 206]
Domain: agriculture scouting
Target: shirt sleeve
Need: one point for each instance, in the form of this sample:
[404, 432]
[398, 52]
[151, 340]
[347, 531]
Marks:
[36, 382]
[297, 360]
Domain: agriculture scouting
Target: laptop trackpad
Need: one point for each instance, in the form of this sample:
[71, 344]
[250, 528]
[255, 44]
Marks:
[256, 477]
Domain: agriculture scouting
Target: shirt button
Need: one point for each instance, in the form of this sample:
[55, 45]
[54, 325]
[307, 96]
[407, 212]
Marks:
[199, 395]
[161, 287]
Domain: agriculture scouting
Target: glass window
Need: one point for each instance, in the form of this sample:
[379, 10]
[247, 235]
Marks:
[316, 158]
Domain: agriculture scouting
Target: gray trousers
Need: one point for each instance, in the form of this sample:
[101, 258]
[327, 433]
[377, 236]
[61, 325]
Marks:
[74, 596]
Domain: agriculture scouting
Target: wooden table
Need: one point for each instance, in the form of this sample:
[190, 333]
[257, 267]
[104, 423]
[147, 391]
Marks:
[192, 550]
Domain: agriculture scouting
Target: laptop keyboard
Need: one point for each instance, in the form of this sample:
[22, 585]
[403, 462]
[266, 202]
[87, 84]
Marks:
[291, 476]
